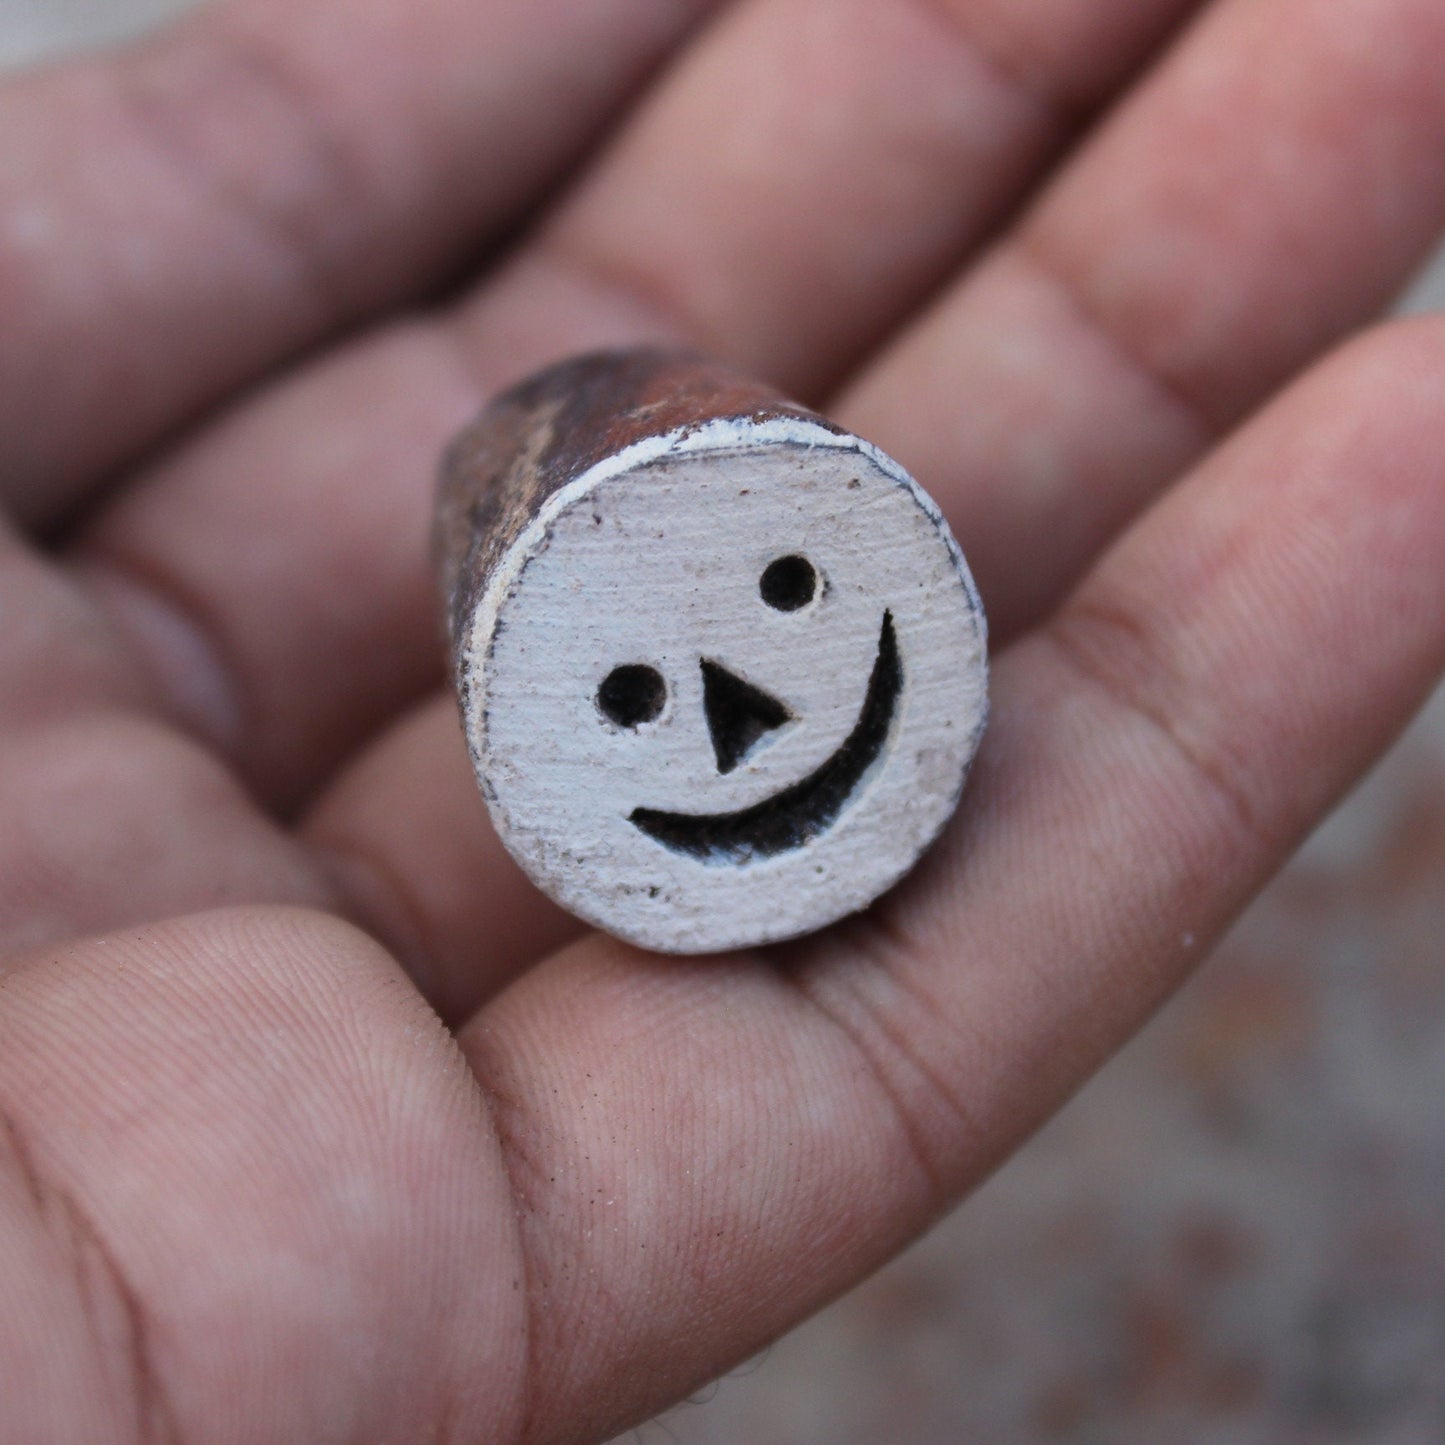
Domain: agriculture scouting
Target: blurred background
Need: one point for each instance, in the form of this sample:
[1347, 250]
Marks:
[1236, 1234]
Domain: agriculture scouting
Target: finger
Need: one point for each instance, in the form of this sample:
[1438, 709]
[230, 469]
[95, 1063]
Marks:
[271, 172]
[714, 1148]
[442, 892]
[108, 818]
[111, 820]
[875, 146]
[1273, 186]
[883, 144]
[248, 1187]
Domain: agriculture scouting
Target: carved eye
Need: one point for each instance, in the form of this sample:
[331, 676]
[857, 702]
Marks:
[632, 695]
[789, 583]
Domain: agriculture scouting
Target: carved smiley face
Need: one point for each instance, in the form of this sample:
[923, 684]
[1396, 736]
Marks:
[732, 687]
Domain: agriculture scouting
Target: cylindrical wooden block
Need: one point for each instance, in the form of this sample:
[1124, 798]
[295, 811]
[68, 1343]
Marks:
[721, 665]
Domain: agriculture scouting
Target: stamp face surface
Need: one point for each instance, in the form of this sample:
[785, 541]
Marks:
[730, 688]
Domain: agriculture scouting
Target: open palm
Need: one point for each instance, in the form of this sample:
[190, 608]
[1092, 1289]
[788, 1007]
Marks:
[316, 1122]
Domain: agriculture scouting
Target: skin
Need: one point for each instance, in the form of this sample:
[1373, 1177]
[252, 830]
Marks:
[315, 1122]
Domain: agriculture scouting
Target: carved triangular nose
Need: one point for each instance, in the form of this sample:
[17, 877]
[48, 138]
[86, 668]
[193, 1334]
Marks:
[739, 715]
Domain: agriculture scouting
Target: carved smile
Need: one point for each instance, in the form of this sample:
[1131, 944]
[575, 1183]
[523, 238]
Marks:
[798, 814]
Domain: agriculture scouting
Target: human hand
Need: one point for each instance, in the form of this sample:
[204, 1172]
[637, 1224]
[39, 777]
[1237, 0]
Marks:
[250, 1188]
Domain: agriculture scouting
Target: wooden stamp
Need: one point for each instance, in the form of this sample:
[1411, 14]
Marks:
[721, 665]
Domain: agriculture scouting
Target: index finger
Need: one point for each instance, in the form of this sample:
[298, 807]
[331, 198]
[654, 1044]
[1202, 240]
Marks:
[177, 217]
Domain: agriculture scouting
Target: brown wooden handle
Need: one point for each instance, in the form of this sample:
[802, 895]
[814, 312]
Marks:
[552, 428]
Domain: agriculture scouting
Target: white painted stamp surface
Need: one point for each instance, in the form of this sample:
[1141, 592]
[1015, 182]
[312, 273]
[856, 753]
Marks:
[655, 562]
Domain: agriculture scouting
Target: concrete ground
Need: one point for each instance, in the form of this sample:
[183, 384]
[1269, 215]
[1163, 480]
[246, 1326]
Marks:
[1235, 1235]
